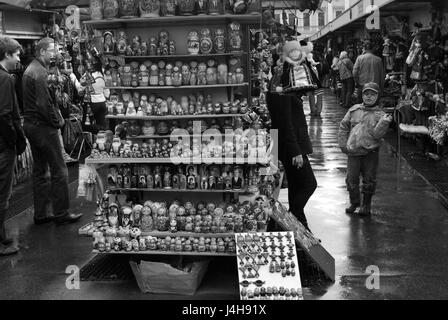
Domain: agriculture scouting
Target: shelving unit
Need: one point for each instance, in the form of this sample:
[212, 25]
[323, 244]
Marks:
[176, 26]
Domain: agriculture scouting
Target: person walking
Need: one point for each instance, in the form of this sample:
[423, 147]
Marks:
[42, 120]
[346, 75]
[294, 144]
[360, 136]
[368, 68]
[12, 138]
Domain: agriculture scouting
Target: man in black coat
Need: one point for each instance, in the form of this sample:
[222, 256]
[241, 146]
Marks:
[294, 146]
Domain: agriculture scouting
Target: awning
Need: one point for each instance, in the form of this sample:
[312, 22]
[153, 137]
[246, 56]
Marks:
[25, 4]
[355, 12]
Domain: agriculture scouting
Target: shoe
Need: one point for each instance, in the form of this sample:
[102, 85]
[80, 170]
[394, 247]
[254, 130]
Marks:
[366, 203]
[43, 220]
[67, 218]
[352, 208]
[7, 241]
[8, 250]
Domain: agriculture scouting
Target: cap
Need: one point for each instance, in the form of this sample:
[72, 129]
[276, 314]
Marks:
[371, 86]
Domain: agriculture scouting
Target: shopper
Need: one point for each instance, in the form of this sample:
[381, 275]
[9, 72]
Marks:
[42, 122]
[368, 68]
[294, 144]
[98, 96]
[346, 75]
[360, 135]
[335, 74]
[12, 138]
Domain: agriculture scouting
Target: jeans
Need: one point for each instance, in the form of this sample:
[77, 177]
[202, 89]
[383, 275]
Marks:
[365, 166]
[7, 162]
[348, 87]
[47, 154]
[301, 186]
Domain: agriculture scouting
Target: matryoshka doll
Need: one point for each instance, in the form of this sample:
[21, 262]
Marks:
[154, 75]
[150, 179]
[186, 7]
[158, 183]
[169, 74]
[193, 73]
[201, 7]
[122, 43]
[149, 8]
[185, 75]
[235, 37]
[108, 43]
[96, 9]
[152, 50]
[177, 77]
[214, 7]
[168, 8]
[128, 8]
[202, 74]
[222, 73]
[212, 77]
[193, 43]
[219, 41]
[110, 9]
[206, 44]
[143, 76]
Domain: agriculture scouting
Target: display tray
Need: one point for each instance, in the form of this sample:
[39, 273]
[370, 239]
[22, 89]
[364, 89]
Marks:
[155, 136]
[180, 190]
[177, 20]
[208, 86]
[163, 118]
[180, 56]
[178, 161]
[168, 253]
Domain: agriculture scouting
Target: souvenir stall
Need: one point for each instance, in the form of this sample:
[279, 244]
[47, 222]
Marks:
[186, 164]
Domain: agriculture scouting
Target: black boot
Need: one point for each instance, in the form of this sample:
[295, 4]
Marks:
[355, 201]
[366, 203]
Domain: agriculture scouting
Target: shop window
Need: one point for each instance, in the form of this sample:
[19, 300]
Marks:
[321, 19]
[306, 19]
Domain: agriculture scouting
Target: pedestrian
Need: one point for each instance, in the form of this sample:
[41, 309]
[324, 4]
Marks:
[346, 75]
[294, 144]
[335, 74]
[12, 138]
[368, 68]
[43, 119]
[360, 136]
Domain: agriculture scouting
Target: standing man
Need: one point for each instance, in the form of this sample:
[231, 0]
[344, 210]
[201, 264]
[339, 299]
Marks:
[12, 138]
[42, 122]
[368, 68]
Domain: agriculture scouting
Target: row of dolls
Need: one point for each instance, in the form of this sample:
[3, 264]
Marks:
[189, 177]
[178, 74]
[244, 148]
[203, 42]
[112, 9]
[204, 217]
[188, 105]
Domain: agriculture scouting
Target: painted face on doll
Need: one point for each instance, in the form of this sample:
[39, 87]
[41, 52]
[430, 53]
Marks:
[369, 97]
[295, 55]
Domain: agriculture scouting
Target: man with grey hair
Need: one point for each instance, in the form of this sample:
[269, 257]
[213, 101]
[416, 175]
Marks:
[42, 122]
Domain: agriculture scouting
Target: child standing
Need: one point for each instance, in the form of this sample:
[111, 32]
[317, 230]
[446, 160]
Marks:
[360, 135]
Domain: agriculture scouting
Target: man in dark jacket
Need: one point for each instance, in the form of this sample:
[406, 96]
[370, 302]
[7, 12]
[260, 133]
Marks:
[42, 122]
[12, 138]
[294, 146]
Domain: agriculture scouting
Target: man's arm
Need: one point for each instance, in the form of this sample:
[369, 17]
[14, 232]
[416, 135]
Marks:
[7, 129]
[45, 102]
[356, 71]
[286, 128]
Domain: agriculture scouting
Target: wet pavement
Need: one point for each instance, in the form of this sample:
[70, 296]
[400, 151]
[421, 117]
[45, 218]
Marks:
[406, 238]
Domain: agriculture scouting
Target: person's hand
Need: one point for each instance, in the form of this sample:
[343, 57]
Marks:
[279, 89]
[388, 117]
[297, 161]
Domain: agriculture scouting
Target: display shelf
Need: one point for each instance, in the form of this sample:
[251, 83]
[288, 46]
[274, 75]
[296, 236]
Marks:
[180, 190]
[180, 117]
[156, 136]
[184, 234]
[177, 161]
[176, 20]
[169, 253]
[209, 86]
[179, 56]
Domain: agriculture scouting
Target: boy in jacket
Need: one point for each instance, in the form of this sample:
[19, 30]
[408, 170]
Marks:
[360, 136]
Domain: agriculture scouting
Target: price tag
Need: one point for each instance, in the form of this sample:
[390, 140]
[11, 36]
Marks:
[73, 21]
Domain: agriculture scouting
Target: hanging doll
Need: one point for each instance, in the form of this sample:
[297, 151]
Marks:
[417, 59]
[298, 75]
[388, 55]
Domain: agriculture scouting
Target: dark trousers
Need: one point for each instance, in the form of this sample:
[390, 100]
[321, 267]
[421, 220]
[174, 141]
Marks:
[7, 162]
[99, 111]
[348, 87]
[301, 186]
[48, 189]
[365, 166]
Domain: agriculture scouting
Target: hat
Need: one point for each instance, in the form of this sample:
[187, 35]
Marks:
[290, 46]
[371, 86]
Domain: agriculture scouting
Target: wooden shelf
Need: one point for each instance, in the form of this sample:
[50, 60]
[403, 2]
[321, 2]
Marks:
[179, 56]
[179, 190]
[186, 117]
[170, 253]
[212, 86]
[172, 161]
[177, 20]
[156, 136]
[184, 234]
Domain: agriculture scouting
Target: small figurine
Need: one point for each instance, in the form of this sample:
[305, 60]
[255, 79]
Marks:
[191, 178]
